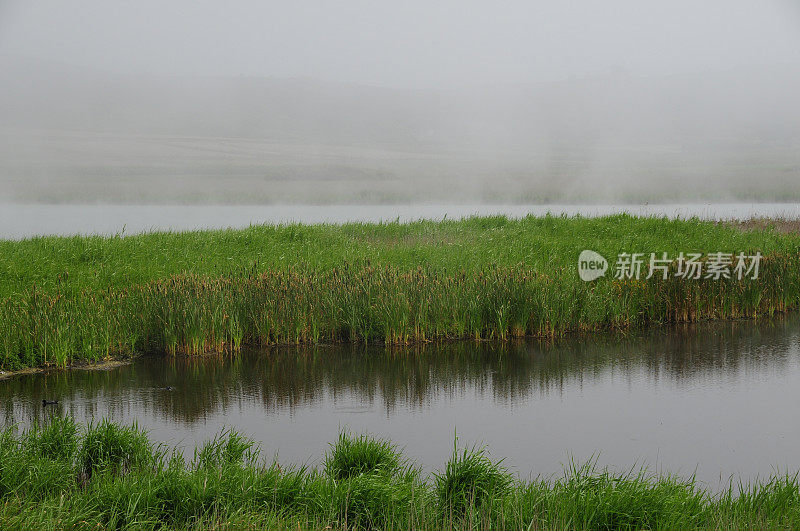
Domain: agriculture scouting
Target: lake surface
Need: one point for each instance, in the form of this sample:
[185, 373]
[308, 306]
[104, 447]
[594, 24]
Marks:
[717, 399]
[23, 221]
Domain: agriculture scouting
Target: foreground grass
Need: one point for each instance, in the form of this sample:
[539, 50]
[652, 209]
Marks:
[58, 476]
[89, 298]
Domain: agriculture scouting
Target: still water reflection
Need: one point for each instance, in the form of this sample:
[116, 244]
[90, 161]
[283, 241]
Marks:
[719, 399]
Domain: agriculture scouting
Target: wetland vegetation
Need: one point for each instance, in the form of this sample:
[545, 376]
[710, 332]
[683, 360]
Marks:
[59, 475]
[68, 299]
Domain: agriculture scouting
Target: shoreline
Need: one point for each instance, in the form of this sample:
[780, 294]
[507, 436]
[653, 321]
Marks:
[106, 365]
[575, 335]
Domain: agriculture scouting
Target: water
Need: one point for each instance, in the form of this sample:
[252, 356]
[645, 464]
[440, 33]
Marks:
[22, 221]
[716, 399]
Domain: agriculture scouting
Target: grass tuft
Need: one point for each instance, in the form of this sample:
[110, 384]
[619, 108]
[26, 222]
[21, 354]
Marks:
[632, 500]
[470, 480]
[57, 438]
[114, 448]
[229, 448]
[356, 455]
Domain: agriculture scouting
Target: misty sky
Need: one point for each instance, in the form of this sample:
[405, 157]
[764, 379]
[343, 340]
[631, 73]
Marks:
[411, 43]
[362, 101]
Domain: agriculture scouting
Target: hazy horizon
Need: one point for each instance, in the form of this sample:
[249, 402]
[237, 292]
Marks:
[359, 102]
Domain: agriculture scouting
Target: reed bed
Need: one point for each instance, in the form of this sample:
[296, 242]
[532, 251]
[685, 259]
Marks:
[58, 475]
[193, 314]
[66, 300]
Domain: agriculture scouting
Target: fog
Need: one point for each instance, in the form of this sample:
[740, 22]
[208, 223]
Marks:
[372, 102]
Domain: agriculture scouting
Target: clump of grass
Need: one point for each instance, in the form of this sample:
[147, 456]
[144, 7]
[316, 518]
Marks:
[32, 465]
[356, 455]
[775, 499]
[470, 480]
[376, 501]
[114, 448]
[372, 483]
[593, 499]
[57, 438]
[229, 448]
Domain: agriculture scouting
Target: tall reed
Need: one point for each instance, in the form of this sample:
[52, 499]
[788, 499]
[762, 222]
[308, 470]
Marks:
[194, 314]
[64, 300]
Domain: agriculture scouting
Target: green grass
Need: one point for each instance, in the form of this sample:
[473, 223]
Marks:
[64, 300]
[229, 486]
[108, 446]
[353, 456]
[470, 481]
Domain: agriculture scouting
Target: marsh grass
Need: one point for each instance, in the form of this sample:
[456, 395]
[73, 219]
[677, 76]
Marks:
[191, 315]
[72, 299]
[56, 438]
[373, 485]
[110, 447]
[470, 480]
[227, 486]
[229, 448]
[354, 455]
[598, 499]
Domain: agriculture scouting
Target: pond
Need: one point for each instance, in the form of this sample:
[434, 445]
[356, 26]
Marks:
[714, 398]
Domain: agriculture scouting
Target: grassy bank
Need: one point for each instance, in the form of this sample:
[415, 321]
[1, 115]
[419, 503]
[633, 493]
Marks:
[93, 298]
[110, 476]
